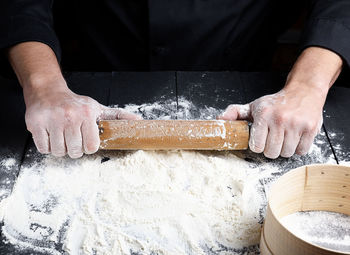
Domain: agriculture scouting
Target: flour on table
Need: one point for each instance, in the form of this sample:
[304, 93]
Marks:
[169, 109]
[326, 229]
[343, 155]
[8, 163]
[144, 202]
[160, 202]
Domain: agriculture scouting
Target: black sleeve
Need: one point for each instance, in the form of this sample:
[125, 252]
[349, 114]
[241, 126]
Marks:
[27, 20]
[328, 26]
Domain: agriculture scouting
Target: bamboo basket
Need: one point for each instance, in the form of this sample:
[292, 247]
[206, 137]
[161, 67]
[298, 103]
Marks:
[307, 188]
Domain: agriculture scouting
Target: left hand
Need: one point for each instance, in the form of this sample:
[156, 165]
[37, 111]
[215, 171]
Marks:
[283, 123]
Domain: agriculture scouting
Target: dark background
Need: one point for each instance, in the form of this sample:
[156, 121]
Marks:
[285, 53]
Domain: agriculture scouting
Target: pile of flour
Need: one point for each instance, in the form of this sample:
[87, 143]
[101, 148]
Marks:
[144, 202]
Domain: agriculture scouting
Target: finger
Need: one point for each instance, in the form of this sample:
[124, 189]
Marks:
[274, 142]
[236, 112]
[258, 134]
[290, 143]
[118, 114]
[125, 115]
[74, 142]
[57, 144]
[305, 143]
[90, 134]
[41, 141]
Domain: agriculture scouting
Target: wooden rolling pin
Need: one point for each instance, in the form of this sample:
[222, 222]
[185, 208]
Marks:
[173, 135]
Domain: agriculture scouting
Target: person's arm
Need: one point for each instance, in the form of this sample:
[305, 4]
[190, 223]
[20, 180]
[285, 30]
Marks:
[60, 121]
[27, 21]
[328, 27]
[287, 122]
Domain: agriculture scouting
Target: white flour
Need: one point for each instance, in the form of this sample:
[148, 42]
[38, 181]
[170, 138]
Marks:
[167, 110]
[326, 229]
[8, 163]
[163, 202]
[342, 154]
[145, 202]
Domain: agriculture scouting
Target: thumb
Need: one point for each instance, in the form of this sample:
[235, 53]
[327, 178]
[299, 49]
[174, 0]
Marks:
[109, 113]
[236, 112]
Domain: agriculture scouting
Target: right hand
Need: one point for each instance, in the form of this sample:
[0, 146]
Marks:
[284, 123]
[63, 122]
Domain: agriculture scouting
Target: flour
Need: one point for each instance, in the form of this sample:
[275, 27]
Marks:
[161, 202]
[244, 111]
[8, 163]
[169, 109]
[343, 155]
[326, 229]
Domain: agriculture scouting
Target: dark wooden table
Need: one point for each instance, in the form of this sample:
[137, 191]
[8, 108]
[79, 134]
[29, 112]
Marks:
[216, 89]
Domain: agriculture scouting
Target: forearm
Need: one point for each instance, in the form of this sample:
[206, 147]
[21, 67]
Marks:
[35, 65]
[316, 69]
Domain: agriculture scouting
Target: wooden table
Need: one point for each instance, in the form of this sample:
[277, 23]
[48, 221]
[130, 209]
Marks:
[216, 89]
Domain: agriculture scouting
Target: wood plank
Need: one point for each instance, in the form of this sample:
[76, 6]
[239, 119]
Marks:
[94, 85]
[337, 122]
[142, 88]
[13, 137]
[260, 84]
[207, 90]
[13, 134]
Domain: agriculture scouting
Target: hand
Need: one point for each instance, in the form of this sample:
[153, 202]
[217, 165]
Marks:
[63, 122]
[288, 121]
[283, 123]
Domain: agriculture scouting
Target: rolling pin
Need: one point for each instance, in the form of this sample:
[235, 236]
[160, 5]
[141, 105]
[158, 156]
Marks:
[173, 135]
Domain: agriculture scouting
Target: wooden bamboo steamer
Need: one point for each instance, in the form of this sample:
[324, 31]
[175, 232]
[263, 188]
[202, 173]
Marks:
[307, 188]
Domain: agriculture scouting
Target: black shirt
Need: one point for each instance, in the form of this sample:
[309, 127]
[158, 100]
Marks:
[171, 34]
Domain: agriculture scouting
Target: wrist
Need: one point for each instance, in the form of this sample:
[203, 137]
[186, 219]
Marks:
[301, 89]
[316, 70]
[40, 84]
[43, 81]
